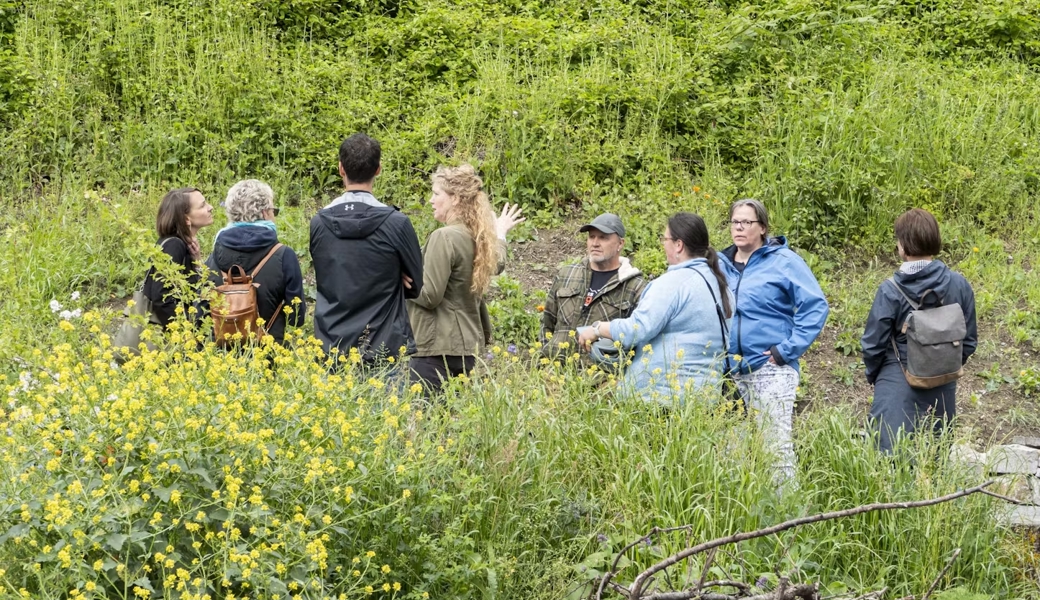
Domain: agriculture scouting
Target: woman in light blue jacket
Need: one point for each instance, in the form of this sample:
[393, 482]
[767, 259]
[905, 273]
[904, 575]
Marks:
[679, 328]
[780, 309]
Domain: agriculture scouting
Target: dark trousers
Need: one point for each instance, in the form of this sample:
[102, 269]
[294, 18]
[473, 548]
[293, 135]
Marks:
[898, 409]
[433, 371]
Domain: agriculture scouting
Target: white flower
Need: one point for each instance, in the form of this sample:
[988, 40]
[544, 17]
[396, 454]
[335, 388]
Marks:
[75, 296]
[77, 313]
[55, 305]
[65, 315]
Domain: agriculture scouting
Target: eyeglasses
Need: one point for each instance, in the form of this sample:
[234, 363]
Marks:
[662, 238]
[742, 224]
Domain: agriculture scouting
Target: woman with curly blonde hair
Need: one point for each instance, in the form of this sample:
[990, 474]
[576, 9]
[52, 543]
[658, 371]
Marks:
[449, 318]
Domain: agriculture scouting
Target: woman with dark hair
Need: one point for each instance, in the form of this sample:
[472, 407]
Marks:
[897, 408]
[680, 326]
[449, 317]
[780, 309]
[182, 213]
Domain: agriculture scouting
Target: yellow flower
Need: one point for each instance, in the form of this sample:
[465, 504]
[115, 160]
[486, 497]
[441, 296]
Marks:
[385, 569]
[406, 493]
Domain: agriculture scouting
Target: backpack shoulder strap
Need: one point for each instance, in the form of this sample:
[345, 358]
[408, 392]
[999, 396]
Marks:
[270, 253]
[722, 319]
[914, 305]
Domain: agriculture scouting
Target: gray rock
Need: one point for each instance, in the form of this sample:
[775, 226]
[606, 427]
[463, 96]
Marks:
[1014, 458]
[1024, 440]
[1027, 516]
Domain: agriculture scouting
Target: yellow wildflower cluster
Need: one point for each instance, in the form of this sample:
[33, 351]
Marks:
[200, 473]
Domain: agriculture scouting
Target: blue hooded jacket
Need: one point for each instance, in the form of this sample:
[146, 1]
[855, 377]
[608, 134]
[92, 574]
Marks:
[675, 333]
[780, 306]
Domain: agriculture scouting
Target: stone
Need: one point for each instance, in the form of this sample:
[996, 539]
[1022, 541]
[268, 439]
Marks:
[1026, 516]
[1024, 440]
[1014, 458]
[1019, 487]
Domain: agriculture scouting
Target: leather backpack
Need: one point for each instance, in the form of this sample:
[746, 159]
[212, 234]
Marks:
[235, 310]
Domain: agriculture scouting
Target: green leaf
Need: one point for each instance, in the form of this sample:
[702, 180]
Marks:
[115, 541]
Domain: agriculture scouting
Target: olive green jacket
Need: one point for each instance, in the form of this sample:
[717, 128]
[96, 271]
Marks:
[564, 307]
[447, 318]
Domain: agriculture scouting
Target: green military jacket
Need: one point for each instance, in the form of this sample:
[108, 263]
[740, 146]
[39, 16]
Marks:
[564, 307]
[447, 318]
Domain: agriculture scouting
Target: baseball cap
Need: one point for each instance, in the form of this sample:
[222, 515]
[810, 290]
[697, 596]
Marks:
[607, 223]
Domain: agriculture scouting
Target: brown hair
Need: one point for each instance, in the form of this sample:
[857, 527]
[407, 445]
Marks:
[173, 212]
[693, 232]
[917, 232]
[473, 210]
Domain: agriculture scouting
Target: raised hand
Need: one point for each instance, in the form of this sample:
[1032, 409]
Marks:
[509, 219]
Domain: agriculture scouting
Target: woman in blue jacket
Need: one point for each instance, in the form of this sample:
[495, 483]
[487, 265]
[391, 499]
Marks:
[897, 406]
[678, 330]
[780, 309]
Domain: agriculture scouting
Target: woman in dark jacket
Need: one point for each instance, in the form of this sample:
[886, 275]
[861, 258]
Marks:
[182, 213]
[897, 408]
[249, 237]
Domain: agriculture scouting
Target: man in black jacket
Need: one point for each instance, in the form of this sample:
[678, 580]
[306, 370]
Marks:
[363, 252]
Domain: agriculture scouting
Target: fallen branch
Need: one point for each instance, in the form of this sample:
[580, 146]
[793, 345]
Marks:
[636, 590]
[1007, 498]
[805, 591]
[942, 574]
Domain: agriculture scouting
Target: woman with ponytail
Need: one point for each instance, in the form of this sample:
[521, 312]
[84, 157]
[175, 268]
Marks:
[449, 318]
[680, 328]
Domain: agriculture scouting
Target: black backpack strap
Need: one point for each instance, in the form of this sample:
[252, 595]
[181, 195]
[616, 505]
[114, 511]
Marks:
[722, 319]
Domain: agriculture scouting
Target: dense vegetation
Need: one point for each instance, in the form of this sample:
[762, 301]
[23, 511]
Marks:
[193, 473]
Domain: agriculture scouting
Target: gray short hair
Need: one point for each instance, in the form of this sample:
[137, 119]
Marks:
[247, 200]
[760, 213]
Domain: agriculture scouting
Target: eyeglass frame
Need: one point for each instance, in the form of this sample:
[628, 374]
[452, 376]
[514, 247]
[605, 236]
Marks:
[742, 223]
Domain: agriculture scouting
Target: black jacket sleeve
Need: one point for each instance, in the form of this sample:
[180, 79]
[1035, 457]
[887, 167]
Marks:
[293, 278]
[877, 334]
[410, 254]
[162, 294]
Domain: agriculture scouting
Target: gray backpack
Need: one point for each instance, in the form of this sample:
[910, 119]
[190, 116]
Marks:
[934, 355]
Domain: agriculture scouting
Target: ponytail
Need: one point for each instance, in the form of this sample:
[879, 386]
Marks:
[713, 262]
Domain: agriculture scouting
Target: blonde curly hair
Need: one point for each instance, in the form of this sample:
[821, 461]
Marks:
[473, 211]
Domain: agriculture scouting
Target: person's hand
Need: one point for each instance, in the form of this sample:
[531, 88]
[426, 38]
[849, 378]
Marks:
[772, 359]
[586, 335]
[406, 281]
[194, 249]
[509, 219]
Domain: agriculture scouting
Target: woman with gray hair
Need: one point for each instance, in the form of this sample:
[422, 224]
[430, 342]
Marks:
[780, 311]
[250, 240]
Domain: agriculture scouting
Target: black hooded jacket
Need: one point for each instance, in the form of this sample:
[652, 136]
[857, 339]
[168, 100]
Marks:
[280, 280]
[890, 311]
[360, 250]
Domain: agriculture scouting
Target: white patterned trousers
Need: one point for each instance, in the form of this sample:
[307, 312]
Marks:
[769, 393]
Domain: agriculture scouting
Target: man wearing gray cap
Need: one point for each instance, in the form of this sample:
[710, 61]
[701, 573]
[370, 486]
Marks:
[603, 286]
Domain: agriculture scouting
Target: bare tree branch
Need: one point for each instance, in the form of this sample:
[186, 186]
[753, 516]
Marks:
[707, 565]
[942, 574]
[1006, 498]
[617, 559]
[636, 589]
[803, 591]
